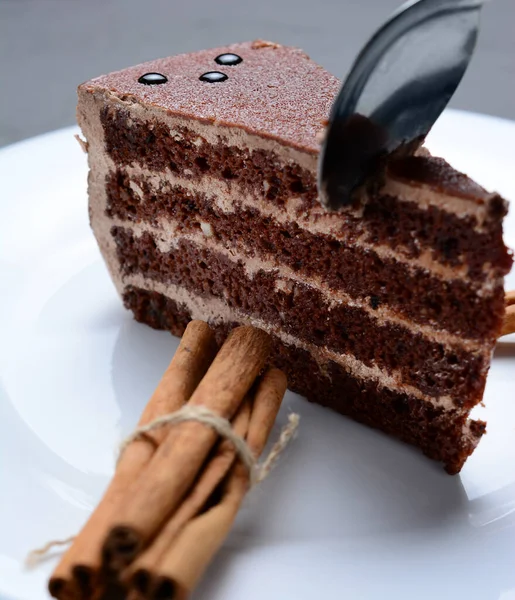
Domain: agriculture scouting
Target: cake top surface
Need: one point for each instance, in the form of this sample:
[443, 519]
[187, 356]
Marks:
[275, 91]
[438, 175]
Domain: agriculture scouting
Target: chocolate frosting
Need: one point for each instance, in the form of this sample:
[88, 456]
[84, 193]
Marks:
[276, 91]
[437, 174]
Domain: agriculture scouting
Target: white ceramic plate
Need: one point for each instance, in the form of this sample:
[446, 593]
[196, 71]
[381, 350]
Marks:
[348, 513]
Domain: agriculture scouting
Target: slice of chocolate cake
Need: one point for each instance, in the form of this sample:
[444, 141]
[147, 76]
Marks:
[203, 200]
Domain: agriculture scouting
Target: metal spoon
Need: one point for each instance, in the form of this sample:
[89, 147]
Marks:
[397, 88]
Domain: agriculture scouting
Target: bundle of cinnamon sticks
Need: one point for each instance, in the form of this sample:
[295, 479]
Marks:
[177, 489]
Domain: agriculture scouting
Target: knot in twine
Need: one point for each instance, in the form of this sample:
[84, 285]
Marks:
[222, 426]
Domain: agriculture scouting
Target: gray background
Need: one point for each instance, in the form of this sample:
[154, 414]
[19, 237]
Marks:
[47, 47]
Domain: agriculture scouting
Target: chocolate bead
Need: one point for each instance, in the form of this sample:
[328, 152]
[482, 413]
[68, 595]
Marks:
[228, 59]
[152, 79]
[213, 77]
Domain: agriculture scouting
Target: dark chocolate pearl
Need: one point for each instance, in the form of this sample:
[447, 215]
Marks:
[152, 79]
[228, 59]
[213, 77]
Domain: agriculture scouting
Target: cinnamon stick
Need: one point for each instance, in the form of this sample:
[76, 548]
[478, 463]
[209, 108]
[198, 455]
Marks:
[199, 541]
[158, 490]
[77, 572]
[509, 316]
[186, 560]
[139, 574]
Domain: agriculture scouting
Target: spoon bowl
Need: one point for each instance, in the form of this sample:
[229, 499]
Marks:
[398, 86]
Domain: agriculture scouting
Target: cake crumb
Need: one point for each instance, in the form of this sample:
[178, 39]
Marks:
[136, 189]
[283, 285]
[258, 44]
[422, 151]
[320, 135]
[207, 230]
[82, 143]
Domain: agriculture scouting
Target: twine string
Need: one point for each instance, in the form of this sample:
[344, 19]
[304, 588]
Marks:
[39, 554]
[201, 414]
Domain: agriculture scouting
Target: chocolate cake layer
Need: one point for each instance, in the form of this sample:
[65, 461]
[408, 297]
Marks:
[441, 435]
[451, 239]
[302, 311]
[416, 294]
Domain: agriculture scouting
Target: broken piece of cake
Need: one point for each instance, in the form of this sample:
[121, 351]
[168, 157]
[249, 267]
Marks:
[203, 199]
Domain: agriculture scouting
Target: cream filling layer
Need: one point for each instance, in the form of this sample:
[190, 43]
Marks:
[167, 236]
[88, 116]
[228, 197]
[215, 310]
[424, 197]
